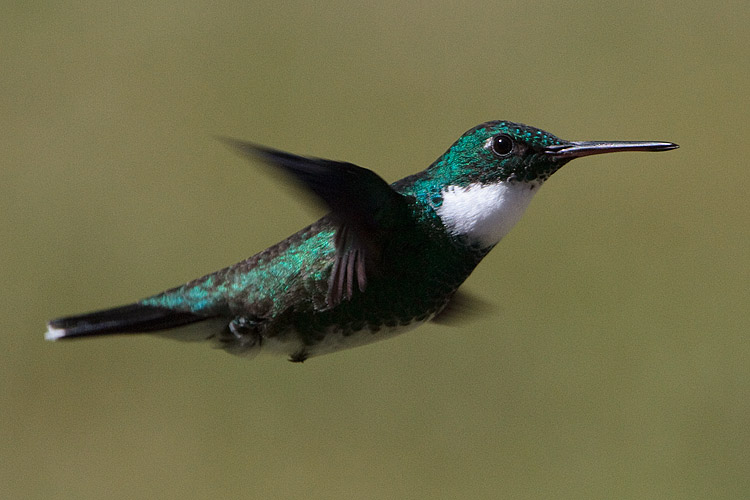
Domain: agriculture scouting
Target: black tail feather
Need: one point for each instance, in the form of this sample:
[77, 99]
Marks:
[132, 318]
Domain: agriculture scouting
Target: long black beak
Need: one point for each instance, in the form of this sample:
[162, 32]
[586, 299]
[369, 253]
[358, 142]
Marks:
[576, 149]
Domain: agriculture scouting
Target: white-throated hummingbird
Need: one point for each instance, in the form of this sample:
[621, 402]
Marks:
[386, 258]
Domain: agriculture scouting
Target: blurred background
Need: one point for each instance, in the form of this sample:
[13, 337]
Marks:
[615, 359]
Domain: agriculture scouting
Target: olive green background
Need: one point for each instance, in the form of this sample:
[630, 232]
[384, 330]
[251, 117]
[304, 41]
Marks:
[614, 360]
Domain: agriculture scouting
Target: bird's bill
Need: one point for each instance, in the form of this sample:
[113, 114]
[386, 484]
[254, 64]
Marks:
[576, 149]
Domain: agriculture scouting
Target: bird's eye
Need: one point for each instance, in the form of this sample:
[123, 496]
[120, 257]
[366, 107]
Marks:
[502, 145]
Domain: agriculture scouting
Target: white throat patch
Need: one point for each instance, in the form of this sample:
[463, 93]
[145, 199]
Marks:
[485, 213]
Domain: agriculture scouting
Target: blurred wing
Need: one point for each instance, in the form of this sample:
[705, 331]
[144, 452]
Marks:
[363, 205]
[461, 308]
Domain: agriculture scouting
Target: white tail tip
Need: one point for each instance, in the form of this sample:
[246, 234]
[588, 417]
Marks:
[53, 333]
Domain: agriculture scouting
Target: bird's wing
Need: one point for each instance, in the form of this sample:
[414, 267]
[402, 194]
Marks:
[363, 205]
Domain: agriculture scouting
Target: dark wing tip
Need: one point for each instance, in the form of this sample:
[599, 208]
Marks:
[462, 307]
[249, 148]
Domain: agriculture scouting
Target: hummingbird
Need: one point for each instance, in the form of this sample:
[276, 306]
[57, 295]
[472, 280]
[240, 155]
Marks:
[385, 259]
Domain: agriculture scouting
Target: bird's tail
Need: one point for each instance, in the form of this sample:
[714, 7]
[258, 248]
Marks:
[132, 318]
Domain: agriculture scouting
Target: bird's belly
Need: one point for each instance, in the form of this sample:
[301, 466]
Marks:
[333, 340]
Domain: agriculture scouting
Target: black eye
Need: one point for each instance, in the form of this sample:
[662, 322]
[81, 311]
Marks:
[502, 145]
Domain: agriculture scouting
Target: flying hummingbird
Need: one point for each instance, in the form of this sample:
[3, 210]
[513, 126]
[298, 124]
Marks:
[387, 258]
